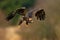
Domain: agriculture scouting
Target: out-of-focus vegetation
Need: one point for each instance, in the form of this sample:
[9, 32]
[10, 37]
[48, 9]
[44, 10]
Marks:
[11, 5]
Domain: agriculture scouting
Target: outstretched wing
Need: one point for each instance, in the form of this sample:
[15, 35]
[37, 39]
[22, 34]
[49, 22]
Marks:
[10, 16]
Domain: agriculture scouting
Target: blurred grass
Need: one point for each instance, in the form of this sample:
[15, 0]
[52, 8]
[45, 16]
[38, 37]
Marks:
[10, 5]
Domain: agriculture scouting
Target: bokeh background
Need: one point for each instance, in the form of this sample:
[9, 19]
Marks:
[49, 29]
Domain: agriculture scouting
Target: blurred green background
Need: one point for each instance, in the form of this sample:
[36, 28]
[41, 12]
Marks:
[10, 5]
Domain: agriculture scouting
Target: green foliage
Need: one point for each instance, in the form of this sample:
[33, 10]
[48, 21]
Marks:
[9, 5]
